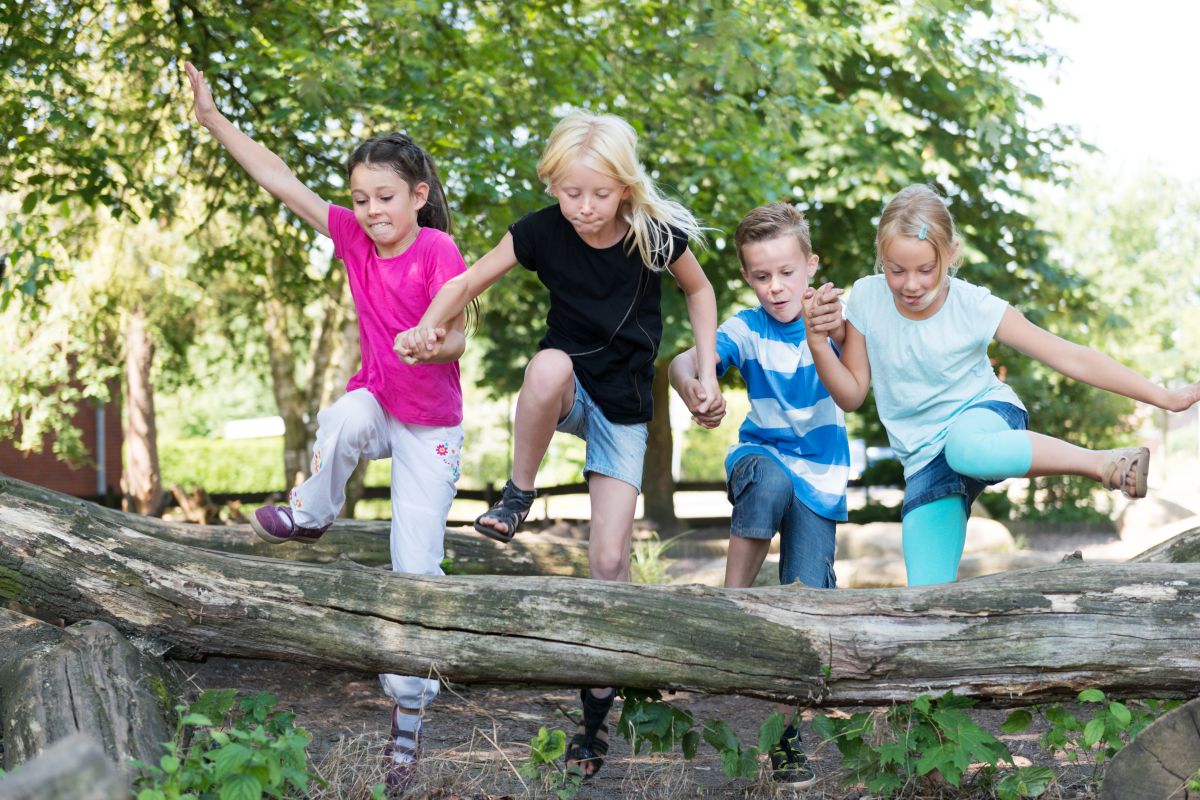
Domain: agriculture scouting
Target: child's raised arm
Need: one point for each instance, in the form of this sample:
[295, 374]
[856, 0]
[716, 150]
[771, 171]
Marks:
[1089, 366]
[267, 169]
[417, 344]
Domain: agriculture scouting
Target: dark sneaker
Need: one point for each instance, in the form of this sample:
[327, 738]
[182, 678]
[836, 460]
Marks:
[789, 765]
[275, 525]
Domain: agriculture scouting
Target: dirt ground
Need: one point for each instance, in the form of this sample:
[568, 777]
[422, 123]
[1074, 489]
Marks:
[475, 737]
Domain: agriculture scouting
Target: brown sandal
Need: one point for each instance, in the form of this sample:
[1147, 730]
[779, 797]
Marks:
[1114, 472]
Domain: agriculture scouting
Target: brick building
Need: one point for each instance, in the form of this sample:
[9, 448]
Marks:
[100, 481]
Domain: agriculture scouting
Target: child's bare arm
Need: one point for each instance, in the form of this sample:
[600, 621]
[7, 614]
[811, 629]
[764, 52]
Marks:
[702, 311]
[1089, 366]
[847, 378]
[266, 168]
[454, 296]
[684, 378]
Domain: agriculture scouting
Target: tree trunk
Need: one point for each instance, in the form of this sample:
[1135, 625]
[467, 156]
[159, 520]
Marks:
[87, 679]
[143, 484]
[1160, 761]
[658, 484]
[74, 768]
[288, 397]
[1028, 636]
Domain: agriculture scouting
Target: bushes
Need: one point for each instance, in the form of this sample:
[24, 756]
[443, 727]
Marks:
[223, 465]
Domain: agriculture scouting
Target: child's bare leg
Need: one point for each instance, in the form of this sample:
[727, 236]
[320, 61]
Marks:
[745, 559]
[546, 397]
[613, 505]
[1055, 457]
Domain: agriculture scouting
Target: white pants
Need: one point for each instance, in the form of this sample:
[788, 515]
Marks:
[425, 466]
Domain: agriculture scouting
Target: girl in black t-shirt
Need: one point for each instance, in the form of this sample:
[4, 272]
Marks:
[600, 251]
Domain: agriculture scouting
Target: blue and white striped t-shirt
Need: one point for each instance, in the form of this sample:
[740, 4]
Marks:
[792, 418]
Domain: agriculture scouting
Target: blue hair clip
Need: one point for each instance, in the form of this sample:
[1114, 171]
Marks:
[924, 230]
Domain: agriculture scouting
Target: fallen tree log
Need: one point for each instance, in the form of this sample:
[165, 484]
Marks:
[74, 768]
[357, 540]
[86, 678]
[1182, 544]
[1027, 636]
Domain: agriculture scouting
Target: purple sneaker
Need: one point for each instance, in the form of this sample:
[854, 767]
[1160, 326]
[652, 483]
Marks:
[275, 525]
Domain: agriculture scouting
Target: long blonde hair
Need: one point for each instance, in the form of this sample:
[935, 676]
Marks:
[918, 212]
[611, 144]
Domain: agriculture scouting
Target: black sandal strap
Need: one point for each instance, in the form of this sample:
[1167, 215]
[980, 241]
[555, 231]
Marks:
[511, 510]
[595, 712]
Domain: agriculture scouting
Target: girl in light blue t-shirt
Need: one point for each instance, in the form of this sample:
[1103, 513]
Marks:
[954, 425]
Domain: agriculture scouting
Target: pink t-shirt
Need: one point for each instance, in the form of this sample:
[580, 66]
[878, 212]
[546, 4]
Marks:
[390, 295]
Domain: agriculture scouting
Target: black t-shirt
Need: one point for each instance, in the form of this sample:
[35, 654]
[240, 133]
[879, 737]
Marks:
[605, 309]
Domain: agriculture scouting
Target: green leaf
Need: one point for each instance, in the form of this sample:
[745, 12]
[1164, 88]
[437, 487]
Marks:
[722, 737]
[229, 759]
[1017, 722]
[29, 203]
[1092, 732]
[770, 731]
[169, 764]
[690, 743]
[1121, 713]
[1091, 696]
[241, 787]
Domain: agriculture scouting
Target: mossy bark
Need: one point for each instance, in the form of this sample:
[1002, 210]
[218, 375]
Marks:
[1026, 636]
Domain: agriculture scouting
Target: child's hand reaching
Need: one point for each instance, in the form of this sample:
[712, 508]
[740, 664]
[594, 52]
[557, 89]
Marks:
[705, 402]
[202, 99]
[422, 343]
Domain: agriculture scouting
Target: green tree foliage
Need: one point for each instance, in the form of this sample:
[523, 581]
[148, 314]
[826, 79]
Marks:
[832, 106]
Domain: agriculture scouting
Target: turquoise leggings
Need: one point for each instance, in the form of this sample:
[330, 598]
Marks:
[979, 445]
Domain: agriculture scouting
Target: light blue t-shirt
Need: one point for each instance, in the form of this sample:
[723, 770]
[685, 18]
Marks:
[927, 372]
[792, 418]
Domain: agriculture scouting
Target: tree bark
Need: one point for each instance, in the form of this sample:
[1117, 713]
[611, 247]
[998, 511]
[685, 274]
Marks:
[86, 678]
[658, 484]
[288, 397]
[1027, 636]
[143, 484]
[1183, 546]
[361, 541]
[1160, 761]
[75, 768]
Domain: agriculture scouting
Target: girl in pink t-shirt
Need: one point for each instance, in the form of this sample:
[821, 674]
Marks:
[398, 254]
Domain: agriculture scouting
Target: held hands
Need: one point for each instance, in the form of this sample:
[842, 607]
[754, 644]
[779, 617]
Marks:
[822, 313]
[705, 401]
[422, 343]
[202, 99]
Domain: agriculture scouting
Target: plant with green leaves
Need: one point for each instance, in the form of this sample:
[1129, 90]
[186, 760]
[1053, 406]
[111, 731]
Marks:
[930, 741]
[230, 750]
[1113, 725]
[545, 766]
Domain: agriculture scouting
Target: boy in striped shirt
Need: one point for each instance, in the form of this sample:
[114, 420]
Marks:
[788, 470]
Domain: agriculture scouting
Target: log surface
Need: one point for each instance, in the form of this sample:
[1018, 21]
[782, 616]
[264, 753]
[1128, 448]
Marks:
[86, 678]
[1026, 636]
[1160, 761]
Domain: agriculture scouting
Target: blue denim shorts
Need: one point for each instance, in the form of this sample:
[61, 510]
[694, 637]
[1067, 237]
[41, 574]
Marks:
[936, 480]
[612, 449]
[764, 501]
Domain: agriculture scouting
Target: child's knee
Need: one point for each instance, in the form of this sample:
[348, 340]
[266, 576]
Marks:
[549, 371]
[960, 449]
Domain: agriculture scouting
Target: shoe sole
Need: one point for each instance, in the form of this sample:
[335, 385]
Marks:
[801, 784]
[1143, 471]
[493, 534]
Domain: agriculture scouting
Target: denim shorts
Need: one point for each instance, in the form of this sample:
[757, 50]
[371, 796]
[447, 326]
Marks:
[764, 501]
[612, 449]
[936, 480]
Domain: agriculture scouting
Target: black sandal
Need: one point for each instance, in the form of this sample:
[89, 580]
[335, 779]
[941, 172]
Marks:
[586, 747]
[511, 511]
